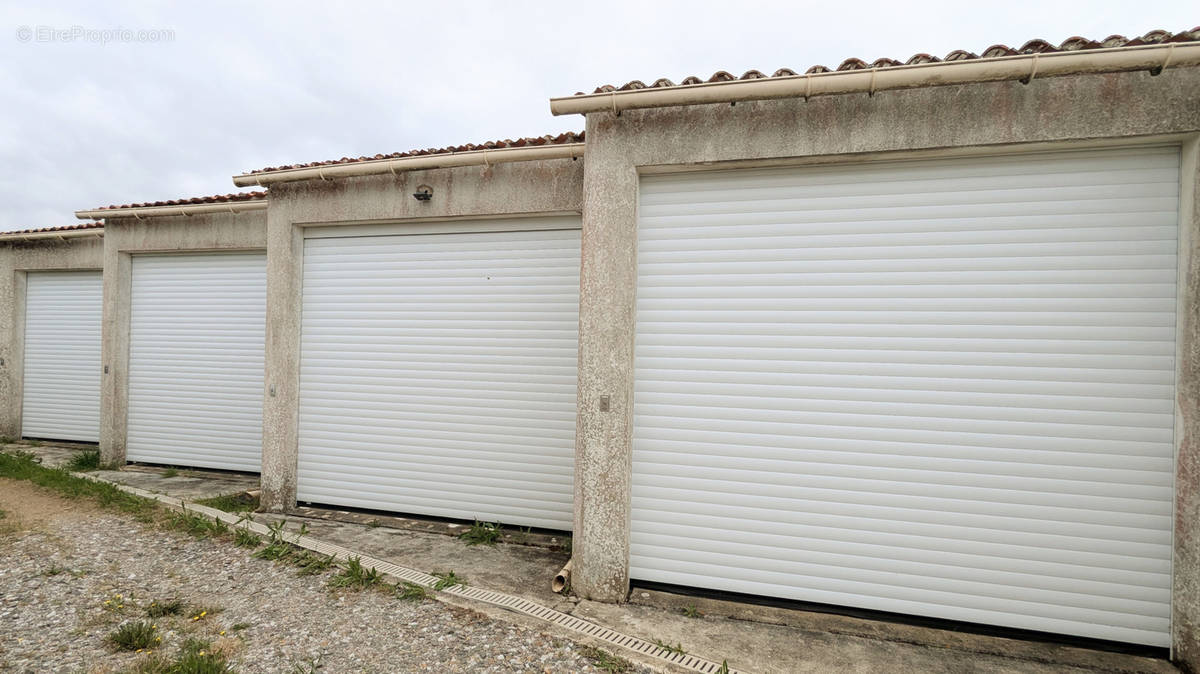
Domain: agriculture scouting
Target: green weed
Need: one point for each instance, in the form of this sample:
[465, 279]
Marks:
[87, 460]
[481, 533]
[355, 576]
[311, 564]
[447, 579]
[231, 503]
[158, 609]
[198, 526]
[605, 661]
[197, 657]
[411, 591]
[677, 649]
[138, 635]
[244, 538]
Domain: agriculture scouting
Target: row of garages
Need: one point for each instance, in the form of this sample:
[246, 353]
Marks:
[932, 383]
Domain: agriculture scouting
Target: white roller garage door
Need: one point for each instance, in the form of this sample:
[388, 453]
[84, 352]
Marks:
[437, 372]
[941, 388]
[61, 390]
[197, 327]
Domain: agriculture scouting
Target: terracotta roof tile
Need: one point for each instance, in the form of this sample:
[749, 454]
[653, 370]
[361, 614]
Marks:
[215, 199]
[64, 228]
[533, 141]
[995, 51]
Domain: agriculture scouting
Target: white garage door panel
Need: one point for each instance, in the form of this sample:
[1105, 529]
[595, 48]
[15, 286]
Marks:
[943, 388]
[61, 390]
[196, 360]
[438, 374]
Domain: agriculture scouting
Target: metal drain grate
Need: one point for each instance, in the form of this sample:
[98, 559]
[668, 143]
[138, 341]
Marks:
[505, 601]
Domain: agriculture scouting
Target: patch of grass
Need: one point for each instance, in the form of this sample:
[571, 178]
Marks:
[605, 661]
[153, 663]
[53, 570]
[375, 523]
[244, 538]
[158, 609]
[85, 461]
[198, 657]
[198, 526]
[311, 564]
[724, 667]
[231, 503]
[274, 552]
[24, 466]
[114, 603]
[691, 611]
[677, 649]
[138, 635]
[355, 576]
[447, 579]
[481, 533]
[411, 591]
[170, 472]
[238, 627]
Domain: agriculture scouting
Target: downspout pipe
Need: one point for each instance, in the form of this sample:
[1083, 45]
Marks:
[430, 161]
[1025, 67]
[562, 580]
[234, 207]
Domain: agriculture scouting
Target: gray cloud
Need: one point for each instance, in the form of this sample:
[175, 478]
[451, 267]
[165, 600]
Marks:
[247, 85]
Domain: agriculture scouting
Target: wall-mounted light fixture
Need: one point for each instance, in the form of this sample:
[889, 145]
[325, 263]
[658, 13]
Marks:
[423, 193]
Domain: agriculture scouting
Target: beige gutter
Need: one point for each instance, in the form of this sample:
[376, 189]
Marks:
[67, 234]
[183, 209]
[429, 161]
[1153, 58]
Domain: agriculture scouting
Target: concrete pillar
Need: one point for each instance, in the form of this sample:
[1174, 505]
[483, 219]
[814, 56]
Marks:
[603, 449]
[281, 399]
[114, 355]
[1185, 624]
[12, 339]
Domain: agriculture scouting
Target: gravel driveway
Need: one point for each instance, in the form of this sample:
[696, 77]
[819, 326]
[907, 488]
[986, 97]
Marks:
[71, 573]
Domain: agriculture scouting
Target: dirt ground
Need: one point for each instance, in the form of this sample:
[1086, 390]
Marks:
[72, 573]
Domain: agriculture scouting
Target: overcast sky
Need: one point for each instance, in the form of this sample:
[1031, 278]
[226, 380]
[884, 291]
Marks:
[229, 87]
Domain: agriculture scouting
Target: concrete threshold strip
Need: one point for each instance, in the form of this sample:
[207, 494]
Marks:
[498, 599]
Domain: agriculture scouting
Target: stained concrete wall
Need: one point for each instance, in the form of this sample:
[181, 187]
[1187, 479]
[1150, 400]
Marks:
[999, 116]
[17, 258]
[503, 190]
[124, 238]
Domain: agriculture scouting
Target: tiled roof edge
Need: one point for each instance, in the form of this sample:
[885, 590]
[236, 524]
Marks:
[1036, 46]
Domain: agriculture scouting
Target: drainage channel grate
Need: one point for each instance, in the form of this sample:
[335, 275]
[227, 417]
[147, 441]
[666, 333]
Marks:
[505, 601]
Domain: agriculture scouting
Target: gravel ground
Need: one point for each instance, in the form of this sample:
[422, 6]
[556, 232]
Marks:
[69, 574]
